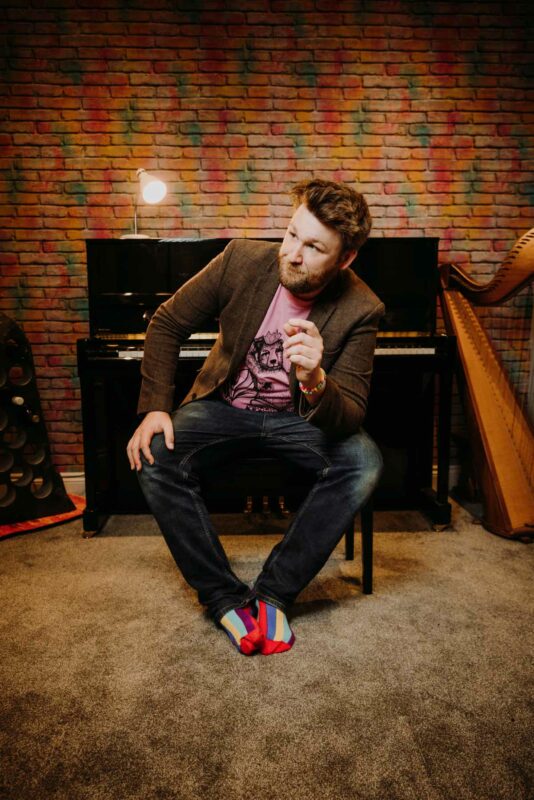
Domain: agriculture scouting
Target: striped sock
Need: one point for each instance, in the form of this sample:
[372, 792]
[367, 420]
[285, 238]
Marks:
[274, 626]
[242, 629]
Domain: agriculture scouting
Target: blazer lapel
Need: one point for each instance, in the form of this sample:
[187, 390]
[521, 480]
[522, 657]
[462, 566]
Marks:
[325, 304]
[320, 313]
[260, 294]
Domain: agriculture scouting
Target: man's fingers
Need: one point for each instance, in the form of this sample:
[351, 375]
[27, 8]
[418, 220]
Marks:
[290, 330]
[303, 361]
[132, 451]
[145, 449]
[301, 338]
[135, 445]
[136, 460]
[154, 422]
[301, 347]
[305, 345]
[305, 324]
[168, 433]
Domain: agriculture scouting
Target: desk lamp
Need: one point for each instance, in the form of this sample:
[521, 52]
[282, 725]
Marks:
[152, 190]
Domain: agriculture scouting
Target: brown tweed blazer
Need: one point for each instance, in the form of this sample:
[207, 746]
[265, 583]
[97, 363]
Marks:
[237, 287]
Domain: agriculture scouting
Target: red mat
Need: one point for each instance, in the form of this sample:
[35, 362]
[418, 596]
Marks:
[45, 522]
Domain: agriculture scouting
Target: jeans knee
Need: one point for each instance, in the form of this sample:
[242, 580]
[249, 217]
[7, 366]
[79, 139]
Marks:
[374, 463]
[368, 466]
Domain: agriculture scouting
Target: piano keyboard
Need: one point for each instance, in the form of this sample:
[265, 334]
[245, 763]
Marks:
[202, 349]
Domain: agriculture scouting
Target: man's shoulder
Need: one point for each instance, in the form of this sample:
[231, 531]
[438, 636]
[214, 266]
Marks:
[260, 251]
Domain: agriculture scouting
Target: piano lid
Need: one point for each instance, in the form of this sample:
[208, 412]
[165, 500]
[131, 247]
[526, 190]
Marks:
[403, 272]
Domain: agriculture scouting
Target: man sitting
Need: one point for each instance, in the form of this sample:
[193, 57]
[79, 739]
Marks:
[288, 376]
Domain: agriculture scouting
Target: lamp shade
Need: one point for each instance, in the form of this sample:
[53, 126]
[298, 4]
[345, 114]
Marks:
[153, 190]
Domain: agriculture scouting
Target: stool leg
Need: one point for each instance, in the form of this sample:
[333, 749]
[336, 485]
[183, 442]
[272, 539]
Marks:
[349, 542]
[366, 516]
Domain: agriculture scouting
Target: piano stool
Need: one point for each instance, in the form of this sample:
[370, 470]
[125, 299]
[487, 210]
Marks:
[278, 480]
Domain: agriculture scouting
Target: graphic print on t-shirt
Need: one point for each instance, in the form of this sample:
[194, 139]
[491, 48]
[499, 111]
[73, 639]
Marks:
[262, 383]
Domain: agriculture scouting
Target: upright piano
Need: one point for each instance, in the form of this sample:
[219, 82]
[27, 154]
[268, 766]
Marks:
[410, 399]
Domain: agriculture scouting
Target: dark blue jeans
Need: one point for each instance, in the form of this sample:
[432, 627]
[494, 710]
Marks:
[209, 432]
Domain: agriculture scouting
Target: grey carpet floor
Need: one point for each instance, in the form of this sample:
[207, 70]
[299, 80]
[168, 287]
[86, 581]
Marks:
[116, 685]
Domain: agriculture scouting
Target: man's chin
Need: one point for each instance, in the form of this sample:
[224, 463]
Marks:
[296, 287]
[293, 283]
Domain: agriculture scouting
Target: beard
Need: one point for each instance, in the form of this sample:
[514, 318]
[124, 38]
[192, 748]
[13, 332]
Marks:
[294, 279]
[297, 279]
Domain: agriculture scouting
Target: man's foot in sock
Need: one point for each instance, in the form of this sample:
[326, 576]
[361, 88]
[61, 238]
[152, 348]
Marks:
[277, 635]
[243, 630]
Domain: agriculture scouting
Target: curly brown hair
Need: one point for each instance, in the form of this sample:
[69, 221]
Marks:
[337, 206]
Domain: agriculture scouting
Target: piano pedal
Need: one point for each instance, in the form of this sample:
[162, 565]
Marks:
[282, 510]
[266, 510]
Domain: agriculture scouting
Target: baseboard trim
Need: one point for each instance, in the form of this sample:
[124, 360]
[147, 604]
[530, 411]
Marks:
[74, 482]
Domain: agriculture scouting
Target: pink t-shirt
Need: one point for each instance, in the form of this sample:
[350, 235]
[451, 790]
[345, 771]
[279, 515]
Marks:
[262, 383]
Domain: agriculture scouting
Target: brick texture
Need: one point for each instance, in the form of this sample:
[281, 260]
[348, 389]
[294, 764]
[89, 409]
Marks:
[426, 107]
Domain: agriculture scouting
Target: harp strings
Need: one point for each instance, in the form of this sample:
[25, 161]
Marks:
[508, 362]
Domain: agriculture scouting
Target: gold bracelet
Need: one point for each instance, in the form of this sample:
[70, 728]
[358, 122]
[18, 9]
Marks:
[315, 389]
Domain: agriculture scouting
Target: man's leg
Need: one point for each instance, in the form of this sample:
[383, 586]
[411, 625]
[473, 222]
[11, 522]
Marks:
[347, 472]
[206, 433]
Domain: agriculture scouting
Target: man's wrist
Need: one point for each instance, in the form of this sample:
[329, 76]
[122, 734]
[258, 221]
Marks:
[315, 387]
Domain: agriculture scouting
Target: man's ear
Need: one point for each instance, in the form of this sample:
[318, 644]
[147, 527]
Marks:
[348, 258]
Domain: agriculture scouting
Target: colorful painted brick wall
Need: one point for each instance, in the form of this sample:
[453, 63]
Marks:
[427, 107]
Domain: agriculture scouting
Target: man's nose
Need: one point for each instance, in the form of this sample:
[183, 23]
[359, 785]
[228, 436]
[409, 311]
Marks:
[295, 254]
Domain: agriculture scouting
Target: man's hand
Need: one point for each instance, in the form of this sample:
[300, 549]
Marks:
[154, 422]
[304, 348]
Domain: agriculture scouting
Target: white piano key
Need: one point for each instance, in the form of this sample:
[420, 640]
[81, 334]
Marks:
[195, 353]
[405, 351]
[132, 354]
[205, 336]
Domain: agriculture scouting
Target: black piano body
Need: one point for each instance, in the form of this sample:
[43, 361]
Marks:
[410, 399]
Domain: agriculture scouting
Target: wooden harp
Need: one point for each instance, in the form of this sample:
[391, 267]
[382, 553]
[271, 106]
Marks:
[499, 414]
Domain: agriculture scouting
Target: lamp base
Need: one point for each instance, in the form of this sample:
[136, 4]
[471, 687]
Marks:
[135, 236]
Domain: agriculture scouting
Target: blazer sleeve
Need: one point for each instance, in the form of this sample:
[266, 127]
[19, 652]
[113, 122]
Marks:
[187, 311]
[341, 410]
